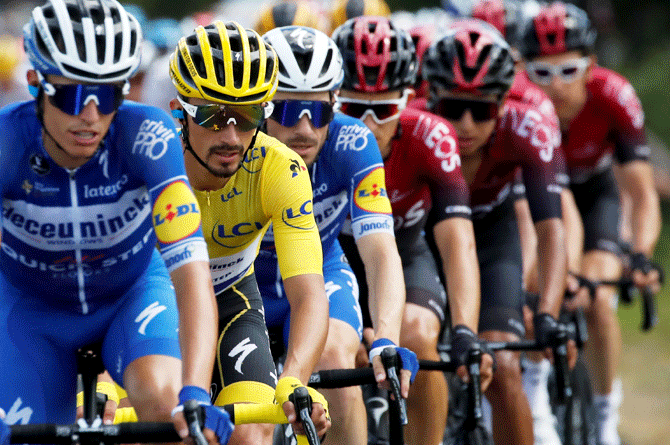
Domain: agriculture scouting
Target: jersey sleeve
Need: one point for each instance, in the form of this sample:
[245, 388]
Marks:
[441, 165]
[156, 156]
[537, 140]
[370, 208]
[287, 200]
[628, 120]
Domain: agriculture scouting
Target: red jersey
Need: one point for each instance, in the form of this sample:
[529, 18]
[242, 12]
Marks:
[523, 90]
[423, 171]
[611, 123]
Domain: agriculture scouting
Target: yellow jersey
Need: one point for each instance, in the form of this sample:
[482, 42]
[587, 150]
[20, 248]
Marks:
[271, 186]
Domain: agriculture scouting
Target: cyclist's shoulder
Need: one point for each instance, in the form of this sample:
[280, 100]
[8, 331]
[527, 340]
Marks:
[275, 164]
[135, 115]
[347, 135]
[613, 96]
[607, 85]
[524, 128]
[18, 113]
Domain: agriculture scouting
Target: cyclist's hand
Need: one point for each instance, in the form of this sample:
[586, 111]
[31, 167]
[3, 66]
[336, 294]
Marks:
[5, 432]
[572, 353]
[408, 361]
[645, 273]
[578, 296]
[320, 415]
[218, 427]
[462, 341]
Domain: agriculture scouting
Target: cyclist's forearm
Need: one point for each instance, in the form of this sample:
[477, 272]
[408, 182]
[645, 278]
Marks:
[456, 242]
[386, 284]
[574, 231]
[309, 324]
[646, 215]
[198, 322]
[552, 265]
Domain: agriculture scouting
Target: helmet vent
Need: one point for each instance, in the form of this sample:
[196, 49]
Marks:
[326, 63]
[97, 15]
[48, 12]
[74, 13]
[269, 69]
[371, 73]
[304, 61]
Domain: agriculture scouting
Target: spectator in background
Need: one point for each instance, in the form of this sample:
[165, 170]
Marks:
[292, 13]
[344, 10]
[12, 89]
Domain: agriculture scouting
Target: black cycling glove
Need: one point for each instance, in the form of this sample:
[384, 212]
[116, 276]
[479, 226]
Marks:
[547, 330]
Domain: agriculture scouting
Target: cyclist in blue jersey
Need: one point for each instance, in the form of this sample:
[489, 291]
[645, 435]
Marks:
[93, 184]
[347, 175]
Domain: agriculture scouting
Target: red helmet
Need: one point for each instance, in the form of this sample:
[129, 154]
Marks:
[557, 28]
[500, 14]
[471, 57]
[422, 36]
[378, 56]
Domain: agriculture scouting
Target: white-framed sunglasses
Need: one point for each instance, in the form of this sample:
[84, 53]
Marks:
[382, 111]
[543, 73]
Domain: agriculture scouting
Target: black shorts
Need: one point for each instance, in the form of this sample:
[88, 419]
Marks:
[598, 202]
[499, 253]
[244, 370]
[423, 286]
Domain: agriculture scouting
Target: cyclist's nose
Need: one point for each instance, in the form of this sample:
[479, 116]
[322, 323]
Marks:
[229, 134]
[90, 113]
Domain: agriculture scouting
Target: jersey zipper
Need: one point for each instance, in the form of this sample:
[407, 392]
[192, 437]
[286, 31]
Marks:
[207, 192]
[76, 217]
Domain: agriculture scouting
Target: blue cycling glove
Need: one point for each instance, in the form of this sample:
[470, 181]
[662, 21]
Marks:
[5, 432]
[408, 358]
[216, 419]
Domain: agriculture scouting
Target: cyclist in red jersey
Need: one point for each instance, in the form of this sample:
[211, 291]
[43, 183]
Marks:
[601, 120]
[470, 70]
[422, 164]
[504, 15]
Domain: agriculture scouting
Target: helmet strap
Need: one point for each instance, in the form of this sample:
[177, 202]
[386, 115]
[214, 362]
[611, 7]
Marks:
[187, 143]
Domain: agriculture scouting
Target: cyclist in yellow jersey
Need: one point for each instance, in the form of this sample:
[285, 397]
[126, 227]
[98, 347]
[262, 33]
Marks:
[244, 180]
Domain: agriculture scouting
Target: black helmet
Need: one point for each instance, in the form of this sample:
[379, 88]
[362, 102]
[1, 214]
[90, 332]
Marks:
[557, 28]
[471, 57]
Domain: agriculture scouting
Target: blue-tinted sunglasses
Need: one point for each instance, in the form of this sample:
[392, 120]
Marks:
[72, 98]
[287, 113]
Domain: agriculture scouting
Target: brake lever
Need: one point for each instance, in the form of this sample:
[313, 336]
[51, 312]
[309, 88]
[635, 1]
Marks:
[195, 419]
[302, 403]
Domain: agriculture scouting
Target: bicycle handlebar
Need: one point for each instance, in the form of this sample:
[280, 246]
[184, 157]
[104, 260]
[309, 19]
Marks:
[133, 432]
[626, 294]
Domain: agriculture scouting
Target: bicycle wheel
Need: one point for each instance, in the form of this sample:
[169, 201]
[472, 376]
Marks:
[576, 419]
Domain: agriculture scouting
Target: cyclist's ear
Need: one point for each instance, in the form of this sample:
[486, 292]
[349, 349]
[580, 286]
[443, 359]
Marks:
[177, 110]
[33, 83]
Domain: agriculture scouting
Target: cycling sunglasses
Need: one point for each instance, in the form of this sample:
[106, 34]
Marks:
[216, 116]
[287, 113]
[72, 98]
[382, 111]
[453, 109]
[543, 73]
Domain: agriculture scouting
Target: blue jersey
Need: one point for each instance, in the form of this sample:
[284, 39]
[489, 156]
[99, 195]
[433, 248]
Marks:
[78, 238]
[347, 180]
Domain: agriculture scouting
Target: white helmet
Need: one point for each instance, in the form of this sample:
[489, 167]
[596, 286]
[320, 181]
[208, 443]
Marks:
[309, 60]
[89, 40]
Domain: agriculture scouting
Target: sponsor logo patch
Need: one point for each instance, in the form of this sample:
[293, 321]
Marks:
[176, 214]
[370, 193]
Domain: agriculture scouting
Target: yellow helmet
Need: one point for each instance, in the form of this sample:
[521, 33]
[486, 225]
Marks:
[344, 10]
[226, 64]
[291, 13]
[10, 56]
